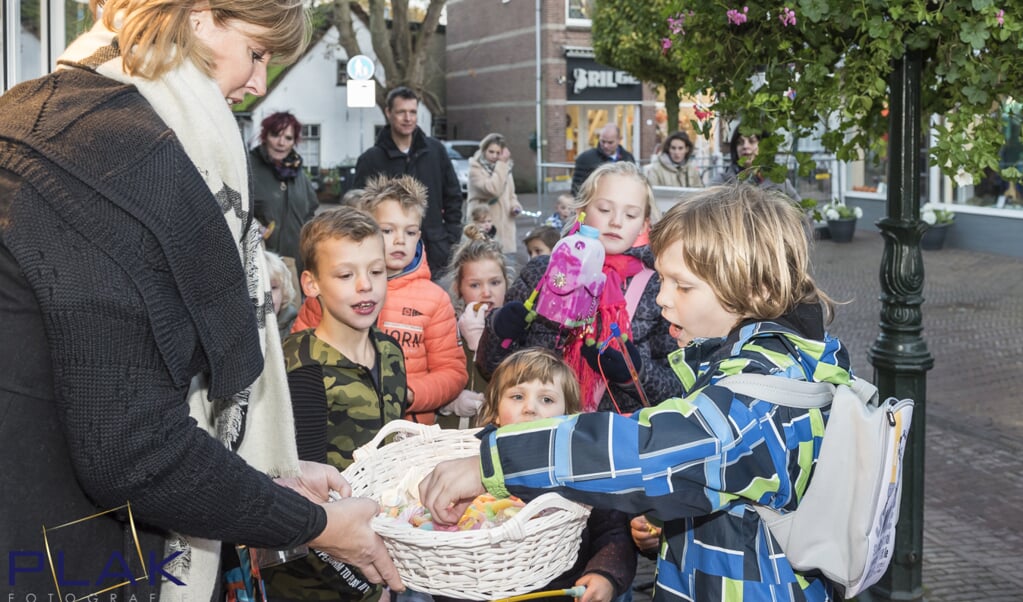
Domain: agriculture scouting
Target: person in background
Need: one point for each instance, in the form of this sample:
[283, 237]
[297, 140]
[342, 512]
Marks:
[283, 293]
[403, 148]
[674, 165]
[532, 384]
[346, 377]
[564, 212]
[482, 218]
[491, 184]
[618, 202]
[743, 150]
[541, 240]
[699, 463]
[609, 149]
[283, 197]
[479, 281]
[136, 294]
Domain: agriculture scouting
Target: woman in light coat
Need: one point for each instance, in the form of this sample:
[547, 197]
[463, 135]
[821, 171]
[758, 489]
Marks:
[491, 184]
[673, 166]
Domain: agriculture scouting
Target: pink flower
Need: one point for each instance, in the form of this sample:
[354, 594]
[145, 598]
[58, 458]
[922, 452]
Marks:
[791, 94]
[787, 17]
[701, 114]
[665, 45]
[737, 18]
[1001, 17]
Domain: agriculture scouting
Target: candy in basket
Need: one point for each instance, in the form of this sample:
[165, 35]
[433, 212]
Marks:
[519, 555]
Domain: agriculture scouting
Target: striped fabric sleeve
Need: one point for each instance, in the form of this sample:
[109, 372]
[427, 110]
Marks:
[684, 457]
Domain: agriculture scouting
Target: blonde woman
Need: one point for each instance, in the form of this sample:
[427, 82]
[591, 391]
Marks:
[136, 292]
[491, 184]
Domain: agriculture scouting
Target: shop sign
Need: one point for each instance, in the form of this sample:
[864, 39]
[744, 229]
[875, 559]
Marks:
[588, 80]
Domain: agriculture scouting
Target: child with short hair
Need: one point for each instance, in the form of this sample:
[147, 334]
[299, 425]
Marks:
[417, 312]
[346, 377]
[735, 276]
[541, 240]
[619, 203]
[533, 384]
[479, 281]
[483, 219]
[564, 212]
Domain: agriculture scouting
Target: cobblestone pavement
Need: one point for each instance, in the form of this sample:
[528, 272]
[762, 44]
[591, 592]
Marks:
[973, 482]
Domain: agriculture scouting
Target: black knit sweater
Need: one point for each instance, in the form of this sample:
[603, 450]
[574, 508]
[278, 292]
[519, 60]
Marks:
[118, 269]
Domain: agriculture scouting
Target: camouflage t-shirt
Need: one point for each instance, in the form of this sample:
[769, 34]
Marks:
[360, 400]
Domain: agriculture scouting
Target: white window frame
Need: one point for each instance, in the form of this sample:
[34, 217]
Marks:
[575, 21]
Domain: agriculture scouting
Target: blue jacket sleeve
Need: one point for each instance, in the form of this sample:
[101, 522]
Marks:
[682, 458]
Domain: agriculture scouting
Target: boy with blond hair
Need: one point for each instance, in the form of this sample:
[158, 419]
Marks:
[346, 377]
[417, 312]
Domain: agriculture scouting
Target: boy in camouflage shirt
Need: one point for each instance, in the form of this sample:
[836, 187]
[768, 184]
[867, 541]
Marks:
[347, 378]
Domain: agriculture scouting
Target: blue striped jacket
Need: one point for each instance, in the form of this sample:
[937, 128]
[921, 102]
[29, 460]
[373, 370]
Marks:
[694, 463]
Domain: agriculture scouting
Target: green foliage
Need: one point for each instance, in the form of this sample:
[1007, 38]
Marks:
[832, 66]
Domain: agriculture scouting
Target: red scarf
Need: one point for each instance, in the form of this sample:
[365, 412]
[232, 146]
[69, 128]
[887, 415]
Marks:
[611, 309]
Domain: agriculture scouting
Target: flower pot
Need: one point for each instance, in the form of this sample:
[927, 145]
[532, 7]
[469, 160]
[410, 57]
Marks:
[820, 231]
[842, 229]
[934, 237]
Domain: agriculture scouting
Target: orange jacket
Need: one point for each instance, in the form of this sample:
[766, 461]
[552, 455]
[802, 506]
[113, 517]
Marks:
[419, 315]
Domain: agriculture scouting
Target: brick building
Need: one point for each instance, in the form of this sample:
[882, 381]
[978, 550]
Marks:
[492, 84]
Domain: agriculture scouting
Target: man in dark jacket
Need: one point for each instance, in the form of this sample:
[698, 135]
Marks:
[403, 148]
[608, 149]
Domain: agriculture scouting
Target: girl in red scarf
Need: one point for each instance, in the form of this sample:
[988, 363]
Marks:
[616, 200]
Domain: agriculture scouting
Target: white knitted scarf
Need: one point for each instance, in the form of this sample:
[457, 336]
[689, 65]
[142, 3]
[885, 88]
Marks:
[256, 422]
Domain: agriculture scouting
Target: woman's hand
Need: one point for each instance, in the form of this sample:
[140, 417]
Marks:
[598, 588]
[645, 535]
[349, 538]
[316, 481]
[450, 488]
[505, 154]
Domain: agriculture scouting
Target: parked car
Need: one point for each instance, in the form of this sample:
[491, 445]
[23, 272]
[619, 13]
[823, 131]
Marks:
[459, 151]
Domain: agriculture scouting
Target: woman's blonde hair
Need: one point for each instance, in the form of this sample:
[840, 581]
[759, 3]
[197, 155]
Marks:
[588, 190]
[476, 247]
[492, 138]
[155, 36]
[750, 245]
[523, 366]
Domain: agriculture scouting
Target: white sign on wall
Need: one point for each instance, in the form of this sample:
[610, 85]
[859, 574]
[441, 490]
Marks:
[362, 94]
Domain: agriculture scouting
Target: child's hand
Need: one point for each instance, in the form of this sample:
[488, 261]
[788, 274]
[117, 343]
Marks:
[598, 588]
[467, 404]
[613, 362]
[471, 324]
[450, 488]
[510, 320]
[645, 535]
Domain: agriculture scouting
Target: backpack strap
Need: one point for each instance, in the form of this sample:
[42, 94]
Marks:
[634, 292]
[787, 392]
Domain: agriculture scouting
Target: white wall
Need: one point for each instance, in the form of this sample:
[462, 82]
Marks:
[310, 92]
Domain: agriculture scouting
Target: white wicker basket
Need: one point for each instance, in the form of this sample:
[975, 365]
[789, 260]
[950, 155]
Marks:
[522, 554]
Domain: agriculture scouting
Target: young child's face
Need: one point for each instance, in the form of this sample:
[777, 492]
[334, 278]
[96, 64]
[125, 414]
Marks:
[618, 211]
[351, 281]
[531, 400]
[565, 209]
[401, 234]
[483, 281]
[689, 302]
[276, 293]
[485, 223]
[536, 248]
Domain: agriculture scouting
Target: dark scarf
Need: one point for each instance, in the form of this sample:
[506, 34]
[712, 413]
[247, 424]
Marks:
[611, 309]
[285, 169]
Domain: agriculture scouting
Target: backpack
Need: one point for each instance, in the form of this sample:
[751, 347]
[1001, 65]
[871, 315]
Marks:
[844, 525]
